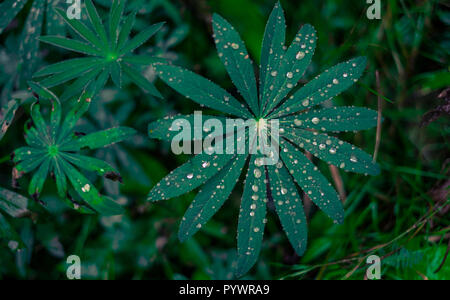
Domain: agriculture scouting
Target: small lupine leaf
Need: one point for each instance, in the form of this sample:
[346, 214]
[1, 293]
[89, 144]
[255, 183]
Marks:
[289, 207]
[60, 177]
[140, 38]
[201, 90]
[81, 83]
[32, 136]
[334, 119]
[90, 164]
[12, 203]
[8, 10]
[211, 198]
[189, 176]
[116, 74]
[29, 165]
[89, 193]
[81, 29]
[292, 67]
[39, 122]
[126, 30]
[234, 55]
[38, 180]
[143, 60]
[100, 139]
[115, 16]
[312, 182]
[9, 234]
[325, 86]
[68, 75]
[30, 44]
[27, 153]
[272, 50]
[7, 114]
[334, 151]
[140, 80]
[252, 217]
[72, 118]
[164, 130]
[70, 44]
[96, 22]
[67, 65]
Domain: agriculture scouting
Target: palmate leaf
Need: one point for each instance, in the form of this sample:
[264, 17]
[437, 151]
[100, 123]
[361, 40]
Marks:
[301, 126]
[52, 147]
[112, 52]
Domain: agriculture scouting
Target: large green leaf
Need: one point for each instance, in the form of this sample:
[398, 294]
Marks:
[289, 206]
[292, 66]
[334, 119]
[311, 181]
[234, 55]
[334, 151]
[189, 176]
[252, 217]
[211, 198]
[201, 90]
[325, 86]
[272, 51]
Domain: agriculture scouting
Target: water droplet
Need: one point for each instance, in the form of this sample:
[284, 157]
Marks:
[333, 151]
[235, 46]
[290, 75]
[86, 188]
[315, 120]
[322, 146]
[256, 229]
[300, 55]
[190, 176]
[274, 73]
[284, 191]
[335, 81]
[297, 122]
[253, 206]
[305, 102]
[205, 164]
[257, 173]
[353, 159]
[255, 188]
[255, 197]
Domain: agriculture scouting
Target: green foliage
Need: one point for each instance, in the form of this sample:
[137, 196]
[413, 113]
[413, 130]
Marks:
[52, 149]
[13, 205]
[111, 49]
[7, 115]
[281, 72]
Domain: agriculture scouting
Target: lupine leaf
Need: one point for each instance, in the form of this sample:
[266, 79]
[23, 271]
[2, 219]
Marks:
[89, 193]
[116, 74]
[189, 176]
[70, 44]
[201, 90]
[96, 22]
[100, 139]
[60, 177]
[334, 119]
[140, 80]
[7, 114]
[68, 65]
[38, 180]
[140, 38]
[252, 217]
[312, 182]
[272, 50]
[293, 65]
[289, 207]
[211, 198]
[81, 83]
[143, 60]
[89, 163]
[8, 10]
[12, 203]
[234, 55]
[81, 29]
[70, 74]
[325, 86]
[114, 20]
[126, 30]
[335, 151]
[163, 129]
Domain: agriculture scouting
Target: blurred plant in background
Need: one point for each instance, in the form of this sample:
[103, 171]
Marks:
[402, 214]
